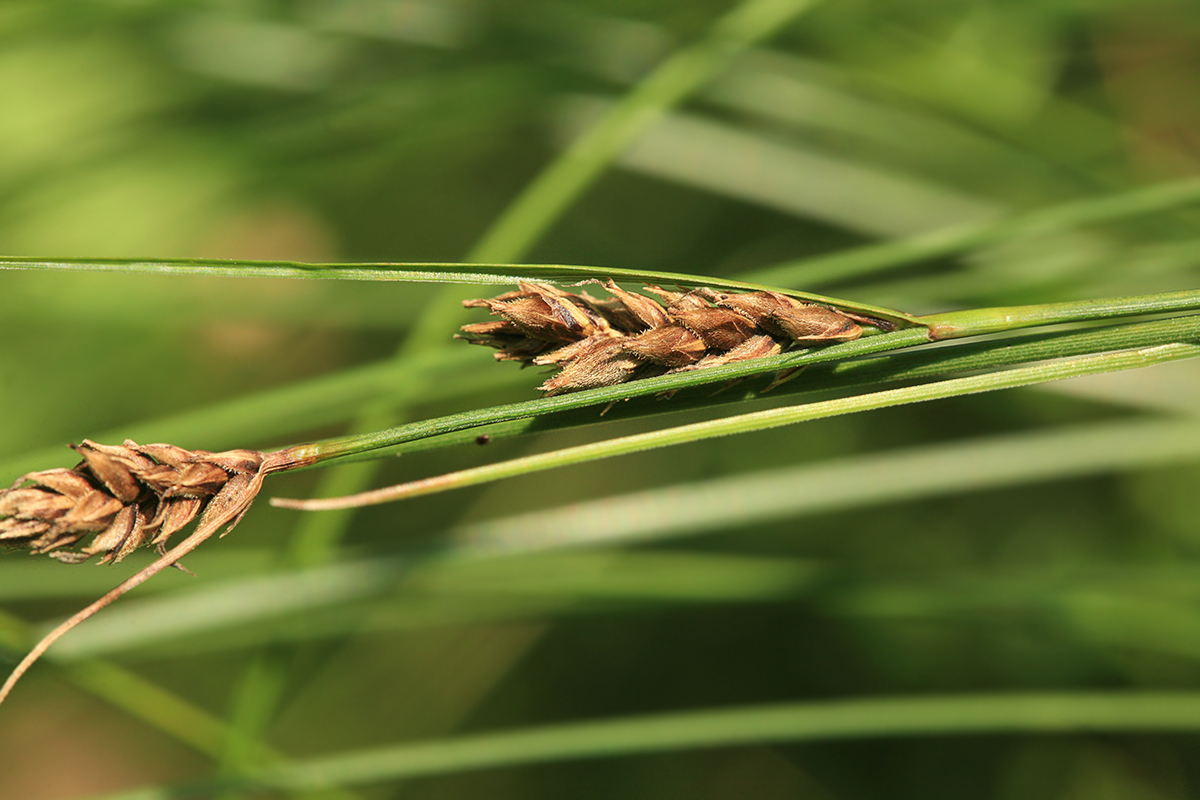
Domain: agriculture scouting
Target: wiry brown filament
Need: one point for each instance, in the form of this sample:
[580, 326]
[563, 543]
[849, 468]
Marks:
[602, 342]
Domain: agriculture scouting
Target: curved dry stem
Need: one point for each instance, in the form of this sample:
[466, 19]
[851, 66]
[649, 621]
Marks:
[229, 505]
[170, 557]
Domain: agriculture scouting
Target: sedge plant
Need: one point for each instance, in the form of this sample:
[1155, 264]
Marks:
[120, 498]
[891, 544]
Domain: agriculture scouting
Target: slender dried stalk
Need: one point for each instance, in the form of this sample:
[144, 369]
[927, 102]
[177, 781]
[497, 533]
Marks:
[597, 342]
[125, 497]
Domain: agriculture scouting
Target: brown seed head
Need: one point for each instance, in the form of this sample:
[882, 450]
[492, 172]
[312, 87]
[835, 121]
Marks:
[598, 342]
[124, 497]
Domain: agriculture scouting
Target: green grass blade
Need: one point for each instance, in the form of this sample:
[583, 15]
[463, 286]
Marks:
[485, 274]
[439, 588]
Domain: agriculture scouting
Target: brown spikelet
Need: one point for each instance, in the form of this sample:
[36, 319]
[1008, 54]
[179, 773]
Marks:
[603, 342]
[594, 362]
[779, 314]
[673, 345]
[120, 498]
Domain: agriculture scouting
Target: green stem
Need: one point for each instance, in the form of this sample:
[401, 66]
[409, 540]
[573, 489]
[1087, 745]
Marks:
[951, 325]
[317, 452]
[758, 421]
[910, 364]
[959, 324]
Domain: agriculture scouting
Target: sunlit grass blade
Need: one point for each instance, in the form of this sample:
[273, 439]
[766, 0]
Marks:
[218, 605]
[975, 322]
[1150, 609]
[800, 179]
[806, 96]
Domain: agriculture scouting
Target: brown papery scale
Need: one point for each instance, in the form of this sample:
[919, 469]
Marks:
[604, 342]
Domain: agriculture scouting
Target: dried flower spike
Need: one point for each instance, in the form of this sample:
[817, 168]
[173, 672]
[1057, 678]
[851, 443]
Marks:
[120, 498]
[629, 336]
[125, 497]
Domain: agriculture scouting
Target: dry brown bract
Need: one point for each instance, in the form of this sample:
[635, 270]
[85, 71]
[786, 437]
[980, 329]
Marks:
[598, 342]
[126, 496]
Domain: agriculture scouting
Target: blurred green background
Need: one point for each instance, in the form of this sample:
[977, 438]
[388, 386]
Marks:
[399, 130]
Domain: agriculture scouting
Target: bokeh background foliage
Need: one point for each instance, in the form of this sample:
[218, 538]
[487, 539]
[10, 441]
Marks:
[1032, 541]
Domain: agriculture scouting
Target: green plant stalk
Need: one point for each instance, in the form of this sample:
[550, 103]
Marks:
[758, 421]
[992, 353]
[318, 452]
[952, 325]
[324, 400]
[975, 714]
[902, 365]
[959, 324]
